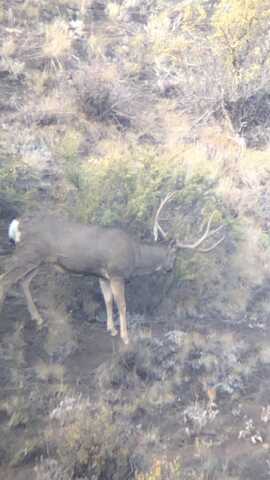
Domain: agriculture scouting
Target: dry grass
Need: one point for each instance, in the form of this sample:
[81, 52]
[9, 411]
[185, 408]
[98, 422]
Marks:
[97, 44]
[103, 95]
[14, 67]
[50, 372]
[40, 82]
[58, 40]
[251, 259]
[2, 13]
[264, 354]
[113, 10]
[115, 146]
[31, 9]
[55, 102]
[81, 4]
[220, 142]
[8, 47]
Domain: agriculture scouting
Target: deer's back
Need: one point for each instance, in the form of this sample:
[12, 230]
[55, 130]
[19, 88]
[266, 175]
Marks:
[80, 248]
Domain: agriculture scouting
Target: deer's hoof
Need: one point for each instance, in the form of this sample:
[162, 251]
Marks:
[125, 340]
[39, 322]
[113, 332]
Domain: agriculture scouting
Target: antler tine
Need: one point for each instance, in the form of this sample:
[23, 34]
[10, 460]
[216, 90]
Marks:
[207, 234]
[157, 228]
[206, 250]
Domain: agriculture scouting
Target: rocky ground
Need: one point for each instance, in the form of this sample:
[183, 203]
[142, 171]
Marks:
[188, 399]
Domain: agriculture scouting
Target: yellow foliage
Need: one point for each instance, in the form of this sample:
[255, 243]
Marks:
[164, 41]
[162, 469]
[194, 15]
[169, 37]
[158, 32]
[238, 29]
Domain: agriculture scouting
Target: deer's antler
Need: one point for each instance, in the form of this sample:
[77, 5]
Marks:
[192, 246]
[157, 228]
[207, 234]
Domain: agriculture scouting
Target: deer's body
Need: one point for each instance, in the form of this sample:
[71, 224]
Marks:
[110, 254]
[89, 249]
[106, 253]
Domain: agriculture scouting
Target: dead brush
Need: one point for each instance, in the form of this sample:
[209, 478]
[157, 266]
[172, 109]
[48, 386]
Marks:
[103, 99]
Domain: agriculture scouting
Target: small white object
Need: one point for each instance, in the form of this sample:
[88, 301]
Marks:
[257, 438]
[14, 233]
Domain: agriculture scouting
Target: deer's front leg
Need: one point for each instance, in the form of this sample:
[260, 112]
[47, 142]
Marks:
[118, 290]
[108, 298]
[34, 313]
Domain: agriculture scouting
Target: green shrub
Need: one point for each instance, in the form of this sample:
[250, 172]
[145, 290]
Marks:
[9, 176]
[69, 145]
[123, 187]
[126, 188]
[88, 440]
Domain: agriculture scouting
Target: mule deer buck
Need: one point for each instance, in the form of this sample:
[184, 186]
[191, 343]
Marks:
[107, 253]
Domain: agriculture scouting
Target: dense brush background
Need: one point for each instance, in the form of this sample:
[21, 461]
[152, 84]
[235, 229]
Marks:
[105, 107]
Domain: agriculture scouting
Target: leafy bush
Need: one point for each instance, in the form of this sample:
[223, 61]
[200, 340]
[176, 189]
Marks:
[124, 187]
[9, 176]
[69, 144]
[238, 29]
[88, 441]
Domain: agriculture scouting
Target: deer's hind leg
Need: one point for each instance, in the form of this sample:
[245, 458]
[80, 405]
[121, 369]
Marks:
[25, 284]
[118, 291]
[108, 298]
[13, 276]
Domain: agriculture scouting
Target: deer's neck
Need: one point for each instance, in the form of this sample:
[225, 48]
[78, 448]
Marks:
[149, 259]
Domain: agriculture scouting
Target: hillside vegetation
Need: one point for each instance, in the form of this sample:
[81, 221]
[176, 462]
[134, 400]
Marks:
[106, 106]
